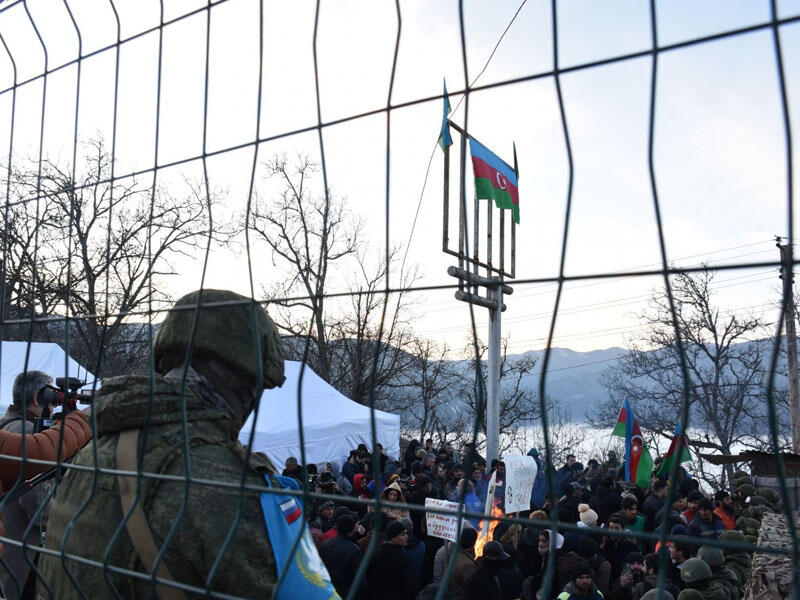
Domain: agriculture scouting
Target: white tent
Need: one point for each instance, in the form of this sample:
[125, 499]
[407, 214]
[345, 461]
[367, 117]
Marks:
[42, 356]
[332, 423]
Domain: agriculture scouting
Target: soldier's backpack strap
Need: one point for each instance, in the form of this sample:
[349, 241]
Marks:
[138, 529]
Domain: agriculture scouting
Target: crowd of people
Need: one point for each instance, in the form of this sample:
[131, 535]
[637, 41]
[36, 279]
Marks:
[169, 501]
[595, 550]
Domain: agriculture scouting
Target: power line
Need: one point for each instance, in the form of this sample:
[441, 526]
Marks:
[540, 292]
[609, 304]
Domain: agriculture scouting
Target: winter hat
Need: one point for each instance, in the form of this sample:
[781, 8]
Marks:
[678, 530]
[580, 569]
[343, 510]
[468, 537]
[324, 505]
[407, 524]
[394, 529]
[494, 551]
[587, 547]
[588, 516]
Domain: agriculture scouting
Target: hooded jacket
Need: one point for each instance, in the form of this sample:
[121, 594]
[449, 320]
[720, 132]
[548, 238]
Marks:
[395, 513]
[539, 490]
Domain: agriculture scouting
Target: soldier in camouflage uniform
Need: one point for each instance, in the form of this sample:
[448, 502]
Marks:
[142, 418]
[697, 575]
[738, 561]
[714, 558]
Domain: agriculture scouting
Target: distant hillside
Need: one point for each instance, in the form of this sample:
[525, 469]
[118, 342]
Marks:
[573, 377]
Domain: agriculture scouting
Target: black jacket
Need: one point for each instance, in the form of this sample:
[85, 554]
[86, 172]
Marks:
[482, 585]
[389, 576]
[341, 556]
[605, 503]
[616, 550]
[652, 505]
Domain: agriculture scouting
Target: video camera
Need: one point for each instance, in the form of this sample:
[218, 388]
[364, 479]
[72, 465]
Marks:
[64, 394]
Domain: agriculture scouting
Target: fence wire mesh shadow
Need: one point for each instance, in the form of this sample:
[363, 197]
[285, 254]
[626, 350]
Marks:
[92, 231]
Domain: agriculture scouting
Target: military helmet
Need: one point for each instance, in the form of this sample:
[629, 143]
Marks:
[694, 570]
[711, 555]
[224, 332]
[757, 512]
[770, 494]
[732, 535]
[756, 500]
[748, 525]
[739, 473]
[690, 594]
[746, 490]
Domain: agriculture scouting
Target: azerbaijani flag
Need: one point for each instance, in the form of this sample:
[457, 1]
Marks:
[672, 454]
[638, 462]
[494, 179]
[445, 139]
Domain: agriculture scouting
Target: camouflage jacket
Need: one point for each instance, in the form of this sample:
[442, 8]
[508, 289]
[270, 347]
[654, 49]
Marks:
[93, 514]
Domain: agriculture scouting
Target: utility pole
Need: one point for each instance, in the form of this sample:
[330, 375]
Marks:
[495, 288]
[787, 276]
[495, 255]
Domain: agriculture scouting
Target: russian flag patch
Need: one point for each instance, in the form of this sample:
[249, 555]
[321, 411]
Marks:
[291, 510]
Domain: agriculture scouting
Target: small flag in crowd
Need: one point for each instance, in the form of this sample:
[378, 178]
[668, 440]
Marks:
[682, 455]
[494, 179]
[444, 135]
[638, 462]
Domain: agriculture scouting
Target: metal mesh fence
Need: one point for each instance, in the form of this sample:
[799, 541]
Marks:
[50, 258]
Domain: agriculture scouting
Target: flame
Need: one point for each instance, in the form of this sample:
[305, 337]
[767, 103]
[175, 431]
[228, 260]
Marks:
[486, 534]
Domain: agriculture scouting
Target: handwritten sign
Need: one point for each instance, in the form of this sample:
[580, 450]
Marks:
[520, 475]
[441, 525]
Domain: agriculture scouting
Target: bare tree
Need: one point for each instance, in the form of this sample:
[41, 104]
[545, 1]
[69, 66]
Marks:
[726, 360]
[309, 233]
[357, 340]
[424, 393]
[519, 407]
[95, 251]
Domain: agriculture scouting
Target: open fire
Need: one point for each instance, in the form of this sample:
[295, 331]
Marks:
[486, 530]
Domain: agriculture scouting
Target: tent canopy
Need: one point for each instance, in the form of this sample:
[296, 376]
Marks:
[42, 356]
[332, 423]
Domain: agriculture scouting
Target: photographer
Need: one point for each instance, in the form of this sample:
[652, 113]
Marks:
[16, 577]
[624, 587]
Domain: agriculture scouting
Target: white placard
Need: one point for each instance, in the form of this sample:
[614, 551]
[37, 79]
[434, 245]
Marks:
[440, 525]
[520, 475]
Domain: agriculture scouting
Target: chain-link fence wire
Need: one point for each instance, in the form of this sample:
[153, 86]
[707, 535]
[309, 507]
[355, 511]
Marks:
[243, 488]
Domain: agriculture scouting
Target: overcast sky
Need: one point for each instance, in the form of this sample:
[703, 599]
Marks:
[719, 155]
